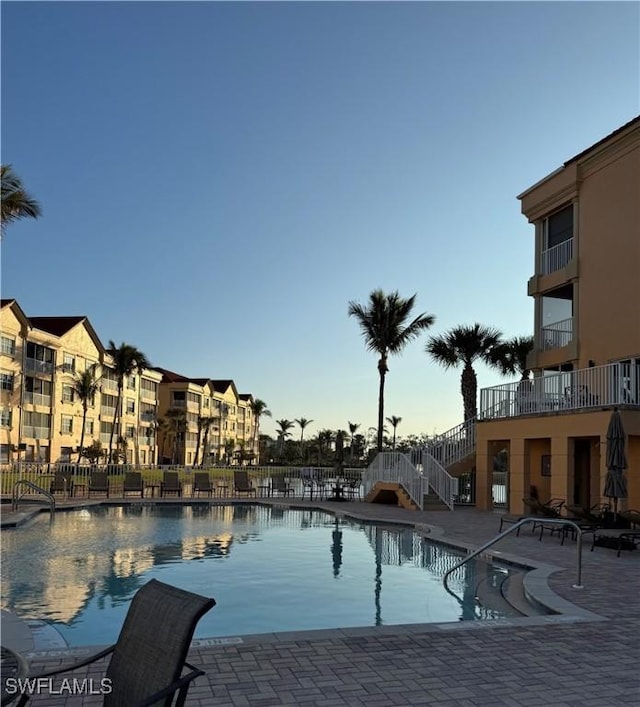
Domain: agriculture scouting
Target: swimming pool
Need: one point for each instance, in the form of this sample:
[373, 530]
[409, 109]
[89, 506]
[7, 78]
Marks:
[269, 569]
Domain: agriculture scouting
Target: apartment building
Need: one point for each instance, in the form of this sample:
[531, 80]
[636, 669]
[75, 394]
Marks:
[586, 357]
[203, 421]
[40, 414]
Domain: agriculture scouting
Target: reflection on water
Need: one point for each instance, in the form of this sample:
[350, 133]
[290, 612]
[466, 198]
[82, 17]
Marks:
[265, 566]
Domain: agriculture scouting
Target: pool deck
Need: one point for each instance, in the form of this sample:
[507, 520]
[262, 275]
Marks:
[588, 656]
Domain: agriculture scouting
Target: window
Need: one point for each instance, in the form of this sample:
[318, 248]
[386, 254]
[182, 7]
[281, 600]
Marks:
[65, 454]
[7, 346]
[131, 383]
[149, 386]
[131, 431]
[5, 418]
[559, 227]
[178, 395]
[68, 363]
[36, 385]
[193, 398]
[88, 427]
[68, 394]
[6, 381]
[131, 406]
[206, 403]
[4, 453]
[143, 456]
[67, 425]
[39, 353]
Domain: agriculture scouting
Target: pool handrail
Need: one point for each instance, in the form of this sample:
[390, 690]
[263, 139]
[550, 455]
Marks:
[15, 499]
[516, 526]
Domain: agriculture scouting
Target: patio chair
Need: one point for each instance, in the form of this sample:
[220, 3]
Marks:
[170, 484]
[279, 485]
[62, 483]
[242, 484]
[99, 483]
[132, 483]
[150, 654]
[202, 483]
[352, 490]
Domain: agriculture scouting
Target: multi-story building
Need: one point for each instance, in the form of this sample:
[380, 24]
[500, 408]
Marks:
[586, 357]
[41, 416]
[203, 420]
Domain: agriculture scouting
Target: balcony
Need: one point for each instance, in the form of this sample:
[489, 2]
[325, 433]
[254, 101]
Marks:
[108, 384]
[107, 411]
[105, 437]
[557, 257]
[37, 399]
[556, 335]
[31, 432]
[586, 388]
[148, 394]
[33, 365]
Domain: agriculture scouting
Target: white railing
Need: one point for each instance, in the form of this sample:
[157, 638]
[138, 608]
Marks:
[32, 432]
[32, 365]
[107, 410]
[146, 394]
[395, 467]
[109, 384]
[37, 399]
[599, 386]
[556, 257]
[556, 335]
[453, 445]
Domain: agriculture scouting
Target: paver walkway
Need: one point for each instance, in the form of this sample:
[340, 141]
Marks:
[545, 662]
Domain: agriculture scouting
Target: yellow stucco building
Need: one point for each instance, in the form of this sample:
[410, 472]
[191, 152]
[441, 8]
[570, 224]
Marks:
[586, 357]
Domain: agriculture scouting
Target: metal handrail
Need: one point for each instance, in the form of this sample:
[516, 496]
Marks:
[516, 526]
[15, 499]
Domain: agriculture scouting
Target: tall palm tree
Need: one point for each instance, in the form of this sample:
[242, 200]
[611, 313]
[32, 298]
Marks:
[464, 345]
[258, 408]
[206, 423]
[386, 332]
[511, 356]
[394, 421]
[302, 423]
[85, 386]
[284, 426]
[353, 428]
[175, 426]
[16, 203]
[127, 361]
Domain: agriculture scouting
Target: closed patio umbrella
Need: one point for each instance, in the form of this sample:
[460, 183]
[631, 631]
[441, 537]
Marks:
[615, 485]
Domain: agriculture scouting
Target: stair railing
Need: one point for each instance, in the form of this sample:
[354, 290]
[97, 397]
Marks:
[517, 526]
[394, 467]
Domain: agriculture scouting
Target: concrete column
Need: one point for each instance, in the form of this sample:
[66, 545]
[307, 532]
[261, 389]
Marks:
[562, 468]
[518, 475]
[484, 475]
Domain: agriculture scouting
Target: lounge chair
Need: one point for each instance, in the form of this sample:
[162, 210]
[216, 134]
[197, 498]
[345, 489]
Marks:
[99, 483]
[170, 484]
[62, 483]
[150, 654]
[241, 483]
[279, 485]
[202, 483]
[133, 483]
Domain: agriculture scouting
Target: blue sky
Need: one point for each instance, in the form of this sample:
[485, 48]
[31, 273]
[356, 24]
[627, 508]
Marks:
[219, 180]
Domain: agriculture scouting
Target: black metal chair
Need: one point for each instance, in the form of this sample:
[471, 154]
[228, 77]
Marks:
[202, 483]
[150, 654]
[98, 483]
[279, 485]
[133, 483]
[170, 484]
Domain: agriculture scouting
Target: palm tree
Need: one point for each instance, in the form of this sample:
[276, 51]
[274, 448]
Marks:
[386, 332]
[175, 424]
[302, 422]
[85, 385]
[127, 361]
[511, 356]
[353, 428]
[394, 422]
[465, 345]
[258, 408]
[15, 201]
[206, 423]
[284, 426]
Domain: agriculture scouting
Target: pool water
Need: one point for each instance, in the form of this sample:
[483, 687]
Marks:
[269, 569]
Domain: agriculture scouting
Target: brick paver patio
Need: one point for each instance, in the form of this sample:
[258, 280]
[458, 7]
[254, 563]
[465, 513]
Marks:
[529, 662]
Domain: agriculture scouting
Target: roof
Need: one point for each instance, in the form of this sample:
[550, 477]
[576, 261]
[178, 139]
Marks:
[221, 385]
[245, 396]
[170, 376]
[603, 140]
[58, 326]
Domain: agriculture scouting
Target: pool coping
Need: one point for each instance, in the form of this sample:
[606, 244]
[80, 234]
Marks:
[535, 583]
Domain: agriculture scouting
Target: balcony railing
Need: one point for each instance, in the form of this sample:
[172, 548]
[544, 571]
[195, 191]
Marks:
[147, 394]
[600, 386]
[109, 384]
[556, 335]
[37, 399]
[31, 432]
[33, 365]
[557, 257]
[107, 410]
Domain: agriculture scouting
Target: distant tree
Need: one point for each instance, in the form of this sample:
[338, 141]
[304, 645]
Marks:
[353, 428]
[394, 422]
[386, 330]
[204, 423]
[464, 345]
[511, 356]
[302, 423]
[127, 361]
[94, 452]
[85, 386]
[174, 424]
[259, 409]
[16, 203]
